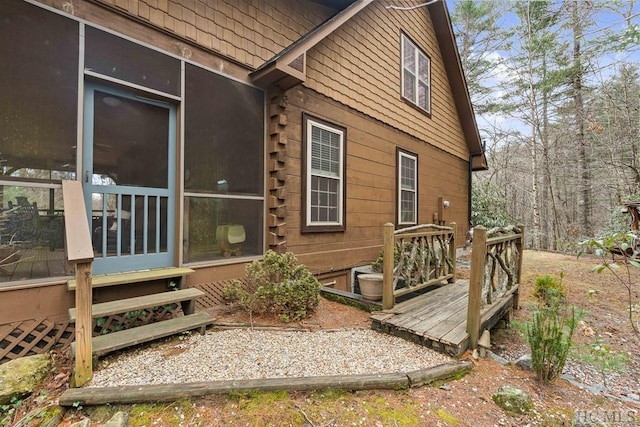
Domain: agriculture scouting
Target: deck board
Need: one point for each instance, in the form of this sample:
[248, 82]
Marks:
[108, 343]
[438, 319]
[116, 279]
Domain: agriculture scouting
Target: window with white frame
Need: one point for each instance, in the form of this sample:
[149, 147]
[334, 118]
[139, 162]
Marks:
[324, 176]
[407, 188]
[416, 75]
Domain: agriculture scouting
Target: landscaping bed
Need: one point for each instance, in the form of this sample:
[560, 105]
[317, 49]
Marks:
[462, 401]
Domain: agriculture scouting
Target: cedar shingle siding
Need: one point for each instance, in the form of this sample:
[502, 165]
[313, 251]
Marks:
[250, 32]
[359, 65]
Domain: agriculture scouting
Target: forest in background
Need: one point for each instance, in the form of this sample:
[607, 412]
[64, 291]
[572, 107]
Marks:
[555, 86]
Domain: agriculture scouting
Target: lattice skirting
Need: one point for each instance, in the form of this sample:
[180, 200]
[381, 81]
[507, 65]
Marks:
[31, 337]
[213, 293]
[118, 322]
[38, 336]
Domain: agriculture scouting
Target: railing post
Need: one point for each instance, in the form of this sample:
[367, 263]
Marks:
[84, 325]
[452, 251]
[388, 300]
[79, 251]
[520, 248]
[476, 279]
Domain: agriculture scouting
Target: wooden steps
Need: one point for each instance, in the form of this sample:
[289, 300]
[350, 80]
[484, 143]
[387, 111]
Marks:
[113, 341]
[108, 343]
[137, 303]
[113, 279]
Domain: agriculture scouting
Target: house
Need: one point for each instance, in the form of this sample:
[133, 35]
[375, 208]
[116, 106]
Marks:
[205, 132]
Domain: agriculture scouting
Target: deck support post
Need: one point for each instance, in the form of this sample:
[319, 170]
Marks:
[452, 252]
[478, 255]
[84, 324]
[388, 300]
[520, 248]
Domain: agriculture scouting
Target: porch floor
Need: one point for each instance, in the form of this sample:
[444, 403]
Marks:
[36, 263]
[438, 319]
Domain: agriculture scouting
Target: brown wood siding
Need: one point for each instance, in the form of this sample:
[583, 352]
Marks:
[370, 184]
[18, 303]
[359, 66]
[248, 31]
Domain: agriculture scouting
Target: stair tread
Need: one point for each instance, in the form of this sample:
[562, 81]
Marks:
[111, 279]
[108, 343]
[137, 303]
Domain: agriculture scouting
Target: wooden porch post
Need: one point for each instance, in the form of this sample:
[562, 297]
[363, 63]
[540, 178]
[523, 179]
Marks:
[478, 255]
[80, 252]
[452, 251]
[388, 299]
[84, 325]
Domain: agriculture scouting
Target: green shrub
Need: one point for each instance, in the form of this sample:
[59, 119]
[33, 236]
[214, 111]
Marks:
[549, 291]
[550, 336]
[283, 287]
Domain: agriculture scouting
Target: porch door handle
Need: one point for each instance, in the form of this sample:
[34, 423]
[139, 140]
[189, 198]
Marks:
[86, 176]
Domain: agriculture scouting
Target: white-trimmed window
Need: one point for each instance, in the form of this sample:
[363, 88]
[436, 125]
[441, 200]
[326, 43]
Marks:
[416, 75]
[407, 188]
[324, 176]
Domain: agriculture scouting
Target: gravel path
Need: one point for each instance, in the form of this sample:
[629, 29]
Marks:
[254, 354]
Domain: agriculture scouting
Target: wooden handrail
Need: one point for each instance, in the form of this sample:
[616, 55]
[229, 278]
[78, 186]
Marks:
[77, 234]
[498, 253]
[432, 258]
[79, 252]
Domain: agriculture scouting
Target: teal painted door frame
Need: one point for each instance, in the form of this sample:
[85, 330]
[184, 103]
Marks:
[132, 222]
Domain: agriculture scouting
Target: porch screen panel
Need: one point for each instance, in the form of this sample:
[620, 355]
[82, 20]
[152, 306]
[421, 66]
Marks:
[38, 133]
[117, 57]
[219, 229]
[38, 91]
[223, 167]
[224, 135]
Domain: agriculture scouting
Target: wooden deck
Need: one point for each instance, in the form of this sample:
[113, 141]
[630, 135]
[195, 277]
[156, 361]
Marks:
[438, 319]
[36, 263]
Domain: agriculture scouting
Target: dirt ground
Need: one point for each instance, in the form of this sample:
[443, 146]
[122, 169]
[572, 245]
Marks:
[464, 402]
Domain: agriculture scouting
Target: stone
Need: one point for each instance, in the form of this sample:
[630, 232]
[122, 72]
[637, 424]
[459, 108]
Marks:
[525, 362]
[633, 396]
[501, 360]
[119, 419]
[82, 423]
[513, 400]
[19, 377]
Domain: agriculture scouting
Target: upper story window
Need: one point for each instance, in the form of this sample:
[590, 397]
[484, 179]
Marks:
[416, 75]
[324, 176]
[407, 188]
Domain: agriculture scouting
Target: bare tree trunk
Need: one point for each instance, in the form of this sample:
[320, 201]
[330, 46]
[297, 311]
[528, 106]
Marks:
[546, 175]
[535, 208]
[584, 198]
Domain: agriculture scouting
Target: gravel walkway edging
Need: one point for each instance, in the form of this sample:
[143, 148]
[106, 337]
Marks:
[171, 392]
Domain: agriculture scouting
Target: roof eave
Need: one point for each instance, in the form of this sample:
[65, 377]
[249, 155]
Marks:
[479, 162]
[278, 71]
[453, 66]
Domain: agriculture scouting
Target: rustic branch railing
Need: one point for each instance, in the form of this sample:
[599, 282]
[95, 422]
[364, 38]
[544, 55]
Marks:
[418, 257]
[496, 266]
[80, 253]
